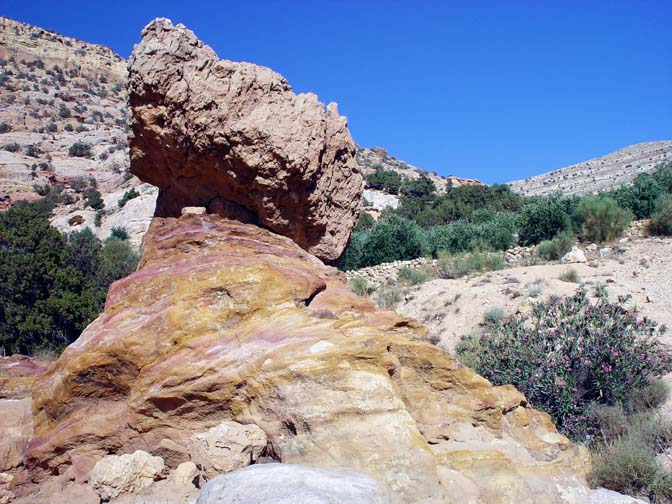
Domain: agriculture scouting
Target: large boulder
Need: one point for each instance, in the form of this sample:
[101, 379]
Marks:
[233, 137]
[292, 484]
[226, 447]
[228, 322]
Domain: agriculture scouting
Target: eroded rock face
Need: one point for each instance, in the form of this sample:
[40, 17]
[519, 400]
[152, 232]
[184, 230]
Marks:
[233, 137]
[291, 483]
[228, 322]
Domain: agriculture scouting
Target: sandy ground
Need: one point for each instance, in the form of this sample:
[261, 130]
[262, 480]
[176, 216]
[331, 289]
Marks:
[452, 308]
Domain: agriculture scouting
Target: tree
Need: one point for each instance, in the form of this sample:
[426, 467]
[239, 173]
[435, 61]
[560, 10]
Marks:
[543, 219]
[52, 286]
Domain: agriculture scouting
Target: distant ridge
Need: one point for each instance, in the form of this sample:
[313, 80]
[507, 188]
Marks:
[599, 174]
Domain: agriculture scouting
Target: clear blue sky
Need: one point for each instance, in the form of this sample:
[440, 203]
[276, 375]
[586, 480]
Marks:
[492, 90]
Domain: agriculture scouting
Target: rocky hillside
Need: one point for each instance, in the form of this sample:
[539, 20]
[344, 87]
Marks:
[599, 174]
[56, 91]
[369, 160]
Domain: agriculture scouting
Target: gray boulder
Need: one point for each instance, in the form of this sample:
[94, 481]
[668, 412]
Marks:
[293, 484]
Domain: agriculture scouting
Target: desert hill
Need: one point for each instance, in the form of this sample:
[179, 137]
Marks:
[599, 174]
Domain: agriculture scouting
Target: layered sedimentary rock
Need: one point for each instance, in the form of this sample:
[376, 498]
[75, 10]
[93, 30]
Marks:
[233, 137]
[228, 322]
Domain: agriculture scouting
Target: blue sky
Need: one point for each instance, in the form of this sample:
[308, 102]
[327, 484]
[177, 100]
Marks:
[491, 90]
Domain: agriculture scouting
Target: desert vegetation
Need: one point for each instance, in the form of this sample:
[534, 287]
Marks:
[53, 285]
[493, 218]
[594, 366]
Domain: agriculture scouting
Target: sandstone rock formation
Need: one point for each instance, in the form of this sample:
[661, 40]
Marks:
[293, 484]
[114, 475]
[227, 447]
[235, 138]
[225, 321]
[16, 427]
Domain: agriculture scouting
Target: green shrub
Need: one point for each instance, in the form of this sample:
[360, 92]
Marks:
[570, 276]
[391, 239]
[359, 286]
[94, 199]
[68, 127]
[352, 255]
[384, 180]
[128, 195]
[569, 354]
[412, 276]
[80, 149]
[119, 233]
[627, 463]
[640, 197]
[494, 314]
[600, 218]
[365, 221]
[52, 285]
[11, 147]
[661, 219]
[456, 266]
[543, 219]
[388, 296]
[32, 151]
[452, 238]
[663, 175]
[556, 248]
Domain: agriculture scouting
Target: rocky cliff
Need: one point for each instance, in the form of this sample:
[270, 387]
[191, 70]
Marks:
[599, 174]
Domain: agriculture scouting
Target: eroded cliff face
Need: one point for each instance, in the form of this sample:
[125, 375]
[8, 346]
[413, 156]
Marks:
[235, 138]
[227, 321]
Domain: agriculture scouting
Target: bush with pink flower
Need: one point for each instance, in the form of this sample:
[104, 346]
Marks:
[569, 355]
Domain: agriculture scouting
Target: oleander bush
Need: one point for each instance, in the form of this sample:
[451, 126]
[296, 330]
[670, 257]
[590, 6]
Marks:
[570, 354]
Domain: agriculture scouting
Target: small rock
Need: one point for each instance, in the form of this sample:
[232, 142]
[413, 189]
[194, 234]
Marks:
[575, 255]
[6, 496]
[193, 210]
[118, 474]
[185, 474]
[227, 447]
